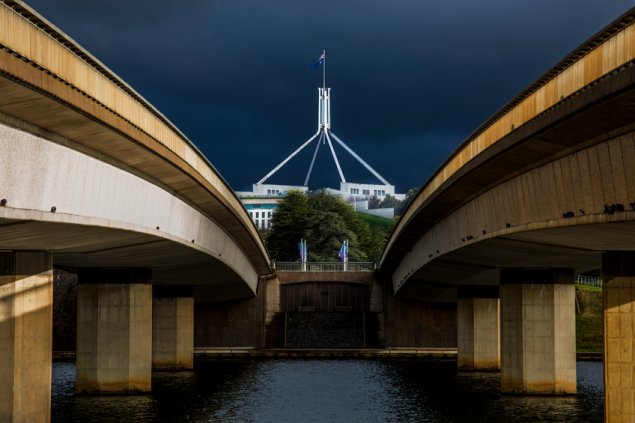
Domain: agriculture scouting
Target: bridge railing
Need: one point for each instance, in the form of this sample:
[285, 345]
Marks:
[361, 266]
[588, 281]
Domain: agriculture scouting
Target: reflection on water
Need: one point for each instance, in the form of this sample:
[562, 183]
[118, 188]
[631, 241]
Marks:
[327, 391]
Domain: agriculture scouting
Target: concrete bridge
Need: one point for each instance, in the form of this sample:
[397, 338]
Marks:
[542, 190]
[95, 180]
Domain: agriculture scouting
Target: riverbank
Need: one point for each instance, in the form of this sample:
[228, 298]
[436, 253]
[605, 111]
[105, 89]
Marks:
[284, 353]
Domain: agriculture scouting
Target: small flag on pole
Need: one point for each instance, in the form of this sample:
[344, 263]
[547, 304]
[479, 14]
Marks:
[343, 254]
[303, 250]
[320, 61]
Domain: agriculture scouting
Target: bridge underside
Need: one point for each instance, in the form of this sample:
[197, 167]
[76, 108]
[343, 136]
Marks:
[577, 247]
[76, 247]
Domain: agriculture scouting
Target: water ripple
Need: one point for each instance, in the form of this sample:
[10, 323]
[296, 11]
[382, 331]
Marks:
[326, 391]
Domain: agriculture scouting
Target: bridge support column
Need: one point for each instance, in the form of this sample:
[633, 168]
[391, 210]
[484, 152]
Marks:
[26, 336]
[478, 328]
[173, 328]
[538, 331]
[619, 326]
[114, 331]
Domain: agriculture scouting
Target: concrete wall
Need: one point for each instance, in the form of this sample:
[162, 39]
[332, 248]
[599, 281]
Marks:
[390, 321]
[238, 323]
[272, 300]
[351, 277]
[324, 297]
[395, 322]
[419, 324]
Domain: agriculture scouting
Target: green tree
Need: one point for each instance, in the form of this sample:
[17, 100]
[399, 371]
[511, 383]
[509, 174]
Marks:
[325, 221]
[331, 222]
[374, 244]
[374, 202]
[390, 201]
[288, 225]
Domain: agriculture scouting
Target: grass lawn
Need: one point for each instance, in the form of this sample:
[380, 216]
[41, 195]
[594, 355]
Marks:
[377, 222]
[588, 320]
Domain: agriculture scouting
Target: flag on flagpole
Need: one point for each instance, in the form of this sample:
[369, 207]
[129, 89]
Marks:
[320, 61]
[343, 253]
[303, 250]
[346, 251]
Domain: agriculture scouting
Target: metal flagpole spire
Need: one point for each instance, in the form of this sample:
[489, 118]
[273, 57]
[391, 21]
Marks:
[324, 70]
[324, 134]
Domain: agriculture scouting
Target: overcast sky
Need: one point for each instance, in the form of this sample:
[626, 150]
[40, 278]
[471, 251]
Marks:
[410, 79]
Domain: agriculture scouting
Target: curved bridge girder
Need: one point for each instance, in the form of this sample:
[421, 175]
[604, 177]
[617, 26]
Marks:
[529, 188]
[77, 137]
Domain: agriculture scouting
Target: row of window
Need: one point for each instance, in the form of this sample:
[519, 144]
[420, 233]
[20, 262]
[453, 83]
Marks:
[263, 224]
[377, 192]
[273, 191]
[256, 215]
[262, 219]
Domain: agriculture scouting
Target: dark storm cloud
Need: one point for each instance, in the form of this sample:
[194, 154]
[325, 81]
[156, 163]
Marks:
[410, 78]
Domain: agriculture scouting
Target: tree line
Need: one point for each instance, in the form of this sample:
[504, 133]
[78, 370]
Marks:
[391, 202]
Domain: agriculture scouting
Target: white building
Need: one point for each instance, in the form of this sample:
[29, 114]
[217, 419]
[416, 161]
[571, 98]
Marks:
[261, 209]
[262, 201]
[365, 191]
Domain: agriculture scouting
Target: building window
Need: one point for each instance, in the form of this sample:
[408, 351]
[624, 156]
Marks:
[366, 192]
[269, 215]
[257, 215]
[355, 191]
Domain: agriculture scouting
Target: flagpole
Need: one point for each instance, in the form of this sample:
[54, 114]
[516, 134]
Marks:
[324, 70]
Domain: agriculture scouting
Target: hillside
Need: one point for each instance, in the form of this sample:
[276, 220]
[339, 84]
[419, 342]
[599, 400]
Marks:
[589, 321]
[377, 222]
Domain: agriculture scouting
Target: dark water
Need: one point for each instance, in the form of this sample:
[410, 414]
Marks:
[327, 391]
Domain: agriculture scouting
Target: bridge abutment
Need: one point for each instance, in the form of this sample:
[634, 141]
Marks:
[26, 318]
[114, 331]
[538, 331]
[238, 323]
[478, 328]
[412, 323]
[173, 328]
[619, 325]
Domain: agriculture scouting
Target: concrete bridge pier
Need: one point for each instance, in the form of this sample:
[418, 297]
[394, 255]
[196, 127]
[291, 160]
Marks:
[538, 331]
[26, 318]
[619, 326]
[478, 328]
[173, 328]
[114, 331]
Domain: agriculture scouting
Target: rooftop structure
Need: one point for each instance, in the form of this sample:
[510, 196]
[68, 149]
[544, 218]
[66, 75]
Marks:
[357, 193]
